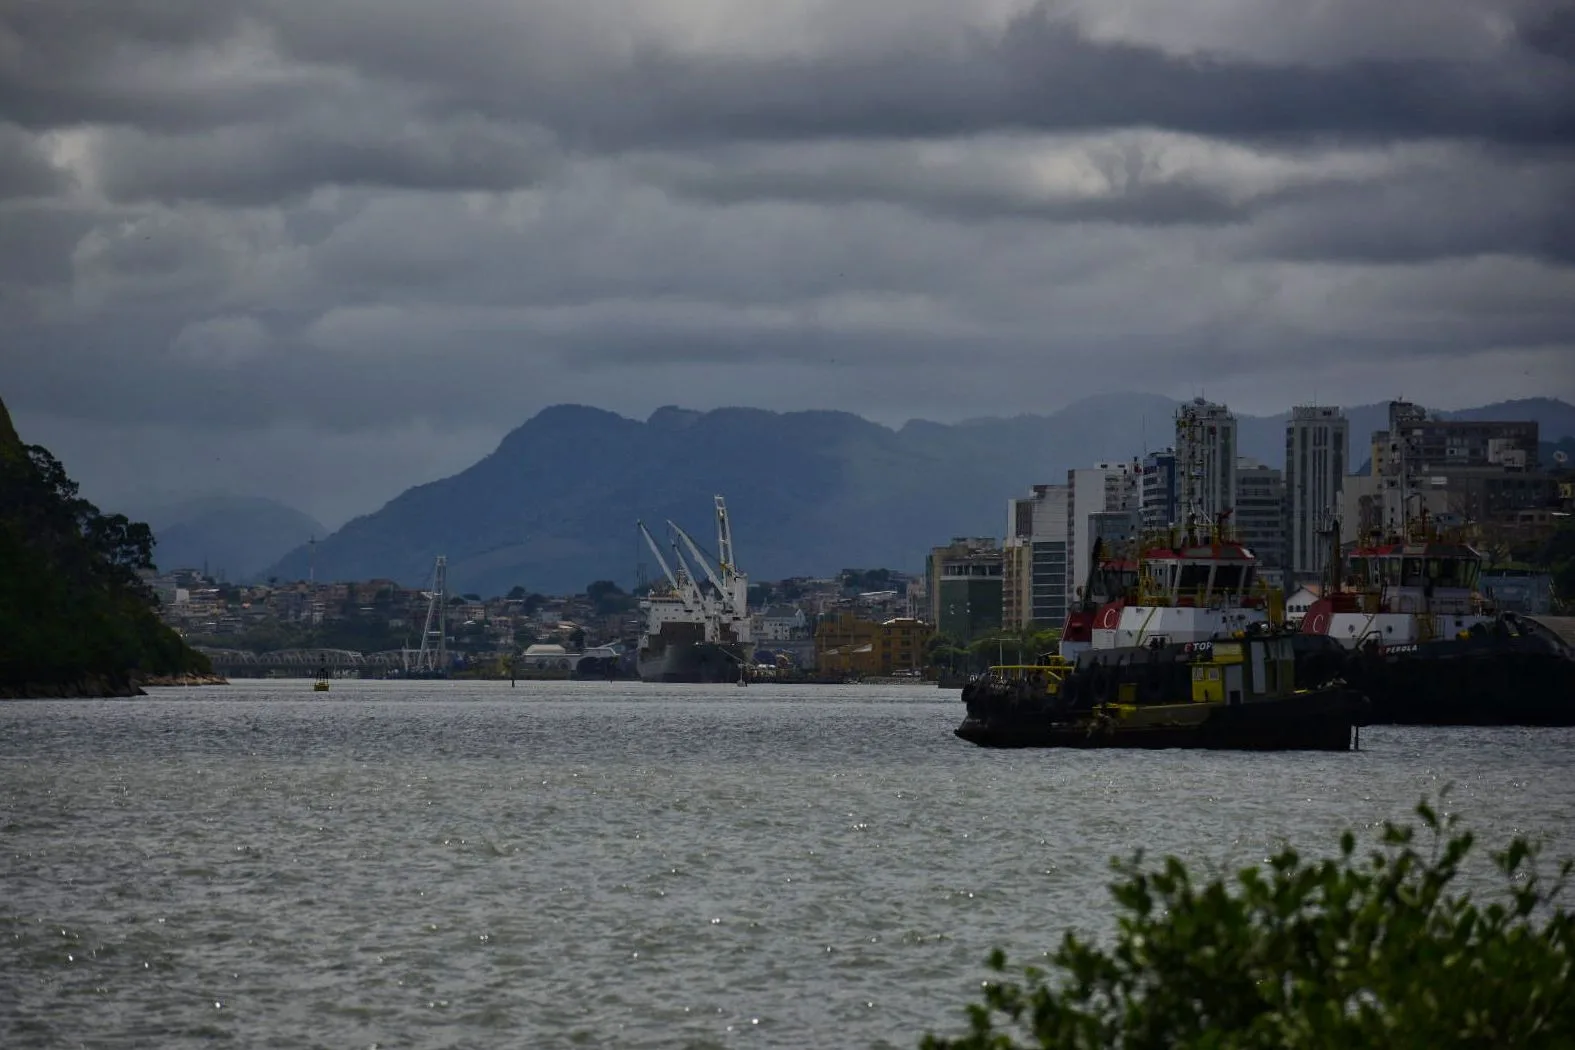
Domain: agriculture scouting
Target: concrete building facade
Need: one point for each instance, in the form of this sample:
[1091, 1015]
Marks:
[1317, 456]
[1205, 460]
[1034, 574]
[1446, 466]
[964, 583]
[1157, 490]
[1259, 517]
[848, 644]
[1103, 502]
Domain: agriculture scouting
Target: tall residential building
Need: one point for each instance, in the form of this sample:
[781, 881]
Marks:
[964, 583]
[1158, 490]
[1421, 442]
[1417, 457]
[1317, 452]
[1205, 460]
[1260, 517]
[1103, 502]
[1035, 559]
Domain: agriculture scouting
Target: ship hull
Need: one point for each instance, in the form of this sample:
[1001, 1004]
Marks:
[1322, 720]
[1462, 683]
[690, 661]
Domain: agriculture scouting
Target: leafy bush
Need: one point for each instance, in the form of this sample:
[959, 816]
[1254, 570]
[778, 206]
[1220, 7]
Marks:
[1346, 952]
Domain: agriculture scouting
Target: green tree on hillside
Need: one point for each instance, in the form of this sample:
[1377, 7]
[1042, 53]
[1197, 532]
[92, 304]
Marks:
[72, 604]
[608, 598]
[1381, 951]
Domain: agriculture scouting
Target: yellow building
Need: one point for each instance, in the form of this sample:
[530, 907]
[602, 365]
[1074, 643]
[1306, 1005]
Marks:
[1017, 612]
[845, 644]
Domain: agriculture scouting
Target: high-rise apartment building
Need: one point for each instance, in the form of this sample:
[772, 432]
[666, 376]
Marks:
[1259, 517]
[1205, 461]
[1104, 503]
[1419, 442]
[1034, 583]
[1157, 490]
[1317, 454]
[1427, 463]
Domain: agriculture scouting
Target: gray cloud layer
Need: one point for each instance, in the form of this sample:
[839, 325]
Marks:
[388, 231]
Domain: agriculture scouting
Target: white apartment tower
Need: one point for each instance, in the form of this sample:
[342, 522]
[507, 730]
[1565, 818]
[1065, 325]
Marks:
[1034, 591]
[1317, 452]
[1205, 461]
[1103, 502]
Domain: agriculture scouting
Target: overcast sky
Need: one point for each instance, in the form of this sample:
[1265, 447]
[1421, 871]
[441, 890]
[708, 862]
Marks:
[324, 250]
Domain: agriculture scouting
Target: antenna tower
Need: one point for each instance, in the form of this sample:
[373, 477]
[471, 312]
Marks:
[432, 658]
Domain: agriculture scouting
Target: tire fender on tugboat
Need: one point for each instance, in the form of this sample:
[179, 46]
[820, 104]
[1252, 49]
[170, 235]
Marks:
[1151, 687]
[1101, 684]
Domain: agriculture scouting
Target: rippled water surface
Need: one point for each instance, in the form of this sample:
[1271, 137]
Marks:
[469, 865]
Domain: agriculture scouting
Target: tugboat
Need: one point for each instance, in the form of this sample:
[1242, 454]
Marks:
[1176, 648]
[1231, 695]
[1426, 648]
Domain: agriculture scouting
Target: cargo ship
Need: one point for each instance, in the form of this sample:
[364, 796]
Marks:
[695, 629]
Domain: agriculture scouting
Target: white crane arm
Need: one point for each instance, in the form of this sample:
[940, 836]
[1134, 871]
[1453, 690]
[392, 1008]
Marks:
[710, 574]
[651, 542]
[691, 589]
[724, 540]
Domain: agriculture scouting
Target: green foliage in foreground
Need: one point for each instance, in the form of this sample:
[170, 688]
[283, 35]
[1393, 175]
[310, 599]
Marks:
[1355, 951]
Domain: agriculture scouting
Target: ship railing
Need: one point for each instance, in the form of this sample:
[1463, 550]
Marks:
[1051, 673]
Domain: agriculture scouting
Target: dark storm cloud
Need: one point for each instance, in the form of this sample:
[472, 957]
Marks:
[1551, 33]
[1043, 74]
[38, 239]
[1467, 208]
[25, 168]
[239, 230]
[261, 163]
[149, 63]
[1105, 180]
[143, 63]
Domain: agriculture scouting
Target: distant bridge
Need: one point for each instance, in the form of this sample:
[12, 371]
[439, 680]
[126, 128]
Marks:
[304, 663]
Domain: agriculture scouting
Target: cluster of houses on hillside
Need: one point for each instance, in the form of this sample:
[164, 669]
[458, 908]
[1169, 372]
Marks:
[536, 633]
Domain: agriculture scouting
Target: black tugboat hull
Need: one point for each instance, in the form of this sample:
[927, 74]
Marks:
[1458, 684]
[1324, 720]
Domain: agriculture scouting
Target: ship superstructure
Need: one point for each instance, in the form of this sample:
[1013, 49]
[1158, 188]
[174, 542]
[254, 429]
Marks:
[1181, 585]
[1176, 590]
[696, 626]
[1415, 588]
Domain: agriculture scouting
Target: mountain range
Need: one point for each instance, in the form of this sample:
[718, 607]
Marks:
[235, 537]
[554, 506]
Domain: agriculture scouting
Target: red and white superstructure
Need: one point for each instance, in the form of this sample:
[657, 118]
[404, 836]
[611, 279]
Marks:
[1172, 593]
[1401, 593]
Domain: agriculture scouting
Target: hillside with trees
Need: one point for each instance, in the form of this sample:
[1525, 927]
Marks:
[76, 618]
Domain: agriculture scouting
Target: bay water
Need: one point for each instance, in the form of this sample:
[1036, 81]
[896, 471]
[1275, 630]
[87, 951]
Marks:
[470, 864]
